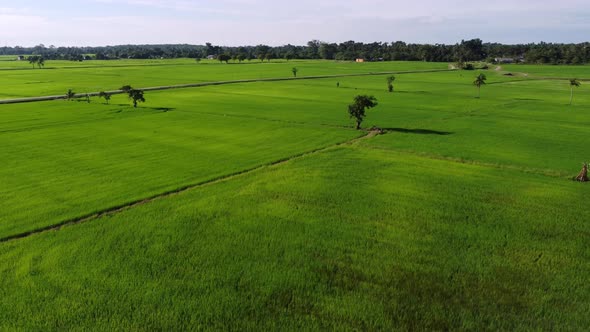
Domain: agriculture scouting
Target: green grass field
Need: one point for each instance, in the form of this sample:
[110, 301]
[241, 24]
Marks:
[463, 216]
[59, 76]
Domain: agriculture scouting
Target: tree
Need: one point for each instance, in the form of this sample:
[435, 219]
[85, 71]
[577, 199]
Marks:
[328, 51]
[470, 50]
[106, 96]
[268, 57]
[198, 60]
[465, 51]
[479, 81]
[390, 80]
[33, 60]
[224, 58]
[40, 62]
[242, 57]
[70, 94]
[295, 71]
[574, 83]
[313, 47]
[357, 109]
[136, 96]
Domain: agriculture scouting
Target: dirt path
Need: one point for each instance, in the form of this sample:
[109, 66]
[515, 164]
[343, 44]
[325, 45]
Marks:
[196, 85]
[124, 207]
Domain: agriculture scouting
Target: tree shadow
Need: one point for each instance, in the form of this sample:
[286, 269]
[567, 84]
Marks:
[420, 92]
[142, 108]
[162, 109]
[419, 131]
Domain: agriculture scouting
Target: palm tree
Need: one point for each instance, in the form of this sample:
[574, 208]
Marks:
[574, 83]
[390, 80]
[479, 81]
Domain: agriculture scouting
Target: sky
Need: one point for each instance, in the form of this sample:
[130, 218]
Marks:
[278, 22]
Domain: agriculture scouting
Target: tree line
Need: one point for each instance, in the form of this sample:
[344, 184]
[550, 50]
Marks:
[466, 50]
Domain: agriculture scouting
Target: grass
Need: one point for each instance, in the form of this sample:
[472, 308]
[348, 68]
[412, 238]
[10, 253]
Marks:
[303, 247]
[462, 217]
[96, 156]
[551, 71]
[94, 76]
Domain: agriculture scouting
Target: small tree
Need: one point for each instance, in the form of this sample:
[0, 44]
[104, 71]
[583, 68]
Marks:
[37, 60]
[479, 81]
[33, 60]
[268, 57]
[40, 62]
[126, 88]
[357, 109]
[136, 96]
[295, 71]
[70, 94]
[390, 80]
[241, 57]
[198, 60]
[106, 96]
[224, 58]
[574, 83]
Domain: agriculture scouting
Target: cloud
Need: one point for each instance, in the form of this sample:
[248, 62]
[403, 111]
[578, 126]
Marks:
[14, 23]
[239, 22]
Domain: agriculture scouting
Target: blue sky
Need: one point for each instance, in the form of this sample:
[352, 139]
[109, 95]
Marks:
[278, 22]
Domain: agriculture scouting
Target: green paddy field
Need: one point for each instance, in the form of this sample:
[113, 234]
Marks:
[257, 206]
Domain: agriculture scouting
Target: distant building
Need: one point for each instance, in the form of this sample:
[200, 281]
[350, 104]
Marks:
[504, 60]
[519, 59]
[20, 58]
[211, 57]
[360, 60]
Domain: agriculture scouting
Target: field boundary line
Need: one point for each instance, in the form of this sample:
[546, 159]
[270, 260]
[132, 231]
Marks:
[537, 78]
[136, 203]
[202, 84]
[96, 66]
[556, 174]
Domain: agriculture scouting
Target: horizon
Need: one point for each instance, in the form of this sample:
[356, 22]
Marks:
[296, 45]
[232, 23]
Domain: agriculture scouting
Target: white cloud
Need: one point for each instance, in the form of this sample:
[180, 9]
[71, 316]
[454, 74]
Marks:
[235, 22]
